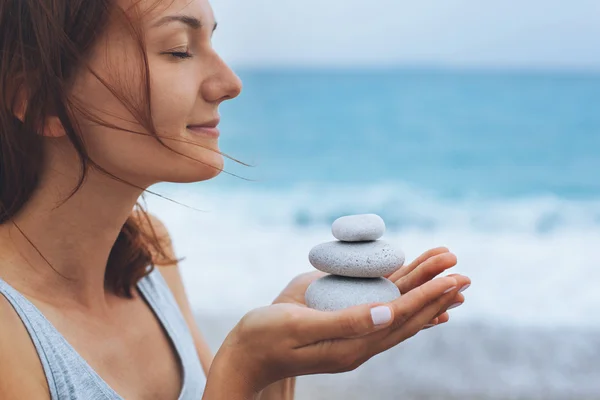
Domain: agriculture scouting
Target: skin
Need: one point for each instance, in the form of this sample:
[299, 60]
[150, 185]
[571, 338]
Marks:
[76, 238]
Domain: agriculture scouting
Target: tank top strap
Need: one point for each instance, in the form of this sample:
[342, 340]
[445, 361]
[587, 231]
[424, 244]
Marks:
[70, 377]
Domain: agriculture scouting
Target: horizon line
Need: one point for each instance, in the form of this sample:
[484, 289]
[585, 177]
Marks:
[425, 67]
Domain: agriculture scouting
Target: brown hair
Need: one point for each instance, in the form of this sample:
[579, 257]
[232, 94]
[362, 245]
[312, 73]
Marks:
[43, 43]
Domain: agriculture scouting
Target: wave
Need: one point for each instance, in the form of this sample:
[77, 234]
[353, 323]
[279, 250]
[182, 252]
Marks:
[533, 261]
[401, 206]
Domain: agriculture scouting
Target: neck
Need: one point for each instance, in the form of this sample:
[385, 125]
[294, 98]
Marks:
[59, 252]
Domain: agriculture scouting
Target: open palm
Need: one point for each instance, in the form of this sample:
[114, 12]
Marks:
[424, 268]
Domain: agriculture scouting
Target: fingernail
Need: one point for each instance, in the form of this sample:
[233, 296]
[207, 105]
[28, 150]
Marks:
[381, 315]
[462, 289]
[428, 326]
[449, 290]
[453, 306]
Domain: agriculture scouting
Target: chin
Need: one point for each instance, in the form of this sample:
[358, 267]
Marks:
[197, 172]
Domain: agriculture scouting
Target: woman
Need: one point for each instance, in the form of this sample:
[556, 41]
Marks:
[100, 100]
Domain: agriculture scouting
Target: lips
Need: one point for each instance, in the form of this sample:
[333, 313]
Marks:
[208, 129]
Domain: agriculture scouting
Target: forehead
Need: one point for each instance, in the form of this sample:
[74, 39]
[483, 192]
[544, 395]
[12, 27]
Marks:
[152, 10]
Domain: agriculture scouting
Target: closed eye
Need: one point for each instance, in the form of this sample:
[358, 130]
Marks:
[180, 54]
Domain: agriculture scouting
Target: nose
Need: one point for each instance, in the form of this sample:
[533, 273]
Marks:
[223, 84]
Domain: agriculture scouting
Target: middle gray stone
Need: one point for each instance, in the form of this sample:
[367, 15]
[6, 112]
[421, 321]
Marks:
[357, 259]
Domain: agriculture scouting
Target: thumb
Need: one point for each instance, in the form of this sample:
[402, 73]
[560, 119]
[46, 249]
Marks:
[348, 323]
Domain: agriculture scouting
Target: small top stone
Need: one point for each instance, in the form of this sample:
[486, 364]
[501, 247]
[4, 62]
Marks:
[358, 228]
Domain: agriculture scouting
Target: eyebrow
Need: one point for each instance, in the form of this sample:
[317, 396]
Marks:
[188, 20]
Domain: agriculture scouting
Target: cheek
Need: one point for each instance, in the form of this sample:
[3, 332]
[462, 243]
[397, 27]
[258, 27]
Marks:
[174, 96]
[140, 158]
[121, 152]
[118, 151]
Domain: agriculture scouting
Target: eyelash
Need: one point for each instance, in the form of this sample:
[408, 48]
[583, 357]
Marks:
[182, 55]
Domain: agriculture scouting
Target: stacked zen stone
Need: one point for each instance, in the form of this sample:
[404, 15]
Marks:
[357, 262]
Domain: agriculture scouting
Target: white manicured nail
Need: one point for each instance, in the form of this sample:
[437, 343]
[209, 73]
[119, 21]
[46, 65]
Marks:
[462, 289]
[449, 290]
[381, 315]
[453, 306]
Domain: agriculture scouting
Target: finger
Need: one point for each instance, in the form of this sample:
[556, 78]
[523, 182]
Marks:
[442, 319]
[410, 303]
[294, 292]
[465, 282]
[347, 354]
[356, 351]
[416, 322]
[348, 323]
[305, 278]
[443, 315]
[365, 319]
[418, 261]
[311, 276]
[459, 298]
[431, 323]
[426, 271]
[454, 295]
[425, 256]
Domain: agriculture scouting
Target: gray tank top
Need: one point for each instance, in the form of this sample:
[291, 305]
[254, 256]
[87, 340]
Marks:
[70, 377]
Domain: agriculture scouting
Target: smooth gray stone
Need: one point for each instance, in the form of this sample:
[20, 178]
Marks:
[332, 292]
[358, 228]
[356, 259]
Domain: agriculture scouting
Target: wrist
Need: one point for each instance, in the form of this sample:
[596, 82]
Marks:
[227, 380]
[281, 390]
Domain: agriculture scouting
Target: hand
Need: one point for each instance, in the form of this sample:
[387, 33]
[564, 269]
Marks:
[294, 292]
[285, 340]
[424, 268]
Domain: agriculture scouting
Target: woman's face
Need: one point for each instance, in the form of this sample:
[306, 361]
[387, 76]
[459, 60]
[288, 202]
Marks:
[188, 83]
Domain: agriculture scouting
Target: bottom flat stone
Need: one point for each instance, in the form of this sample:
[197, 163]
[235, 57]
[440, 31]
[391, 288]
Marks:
[333, 292]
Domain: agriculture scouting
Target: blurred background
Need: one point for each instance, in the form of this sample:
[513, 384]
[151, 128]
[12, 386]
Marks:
[464, 123]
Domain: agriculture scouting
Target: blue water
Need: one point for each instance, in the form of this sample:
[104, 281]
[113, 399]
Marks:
[502, 167]
[490, 134]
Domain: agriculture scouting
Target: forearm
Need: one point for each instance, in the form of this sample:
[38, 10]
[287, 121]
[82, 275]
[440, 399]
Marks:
[225, 383]
[226, 391]
[282, 390]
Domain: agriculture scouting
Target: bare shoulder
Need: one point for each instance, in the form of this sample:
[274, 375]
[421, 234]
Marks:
[159, 227]
[21, 372]
[172, 276]
[169, 272]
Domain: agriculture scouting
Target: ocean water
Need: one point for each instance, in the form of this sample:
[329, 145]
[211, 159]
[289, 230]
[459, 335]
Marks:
[502, 167]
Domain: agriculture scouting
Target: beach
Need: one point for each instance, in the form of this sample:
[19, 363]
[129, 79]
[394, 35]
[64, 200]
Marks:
[461, 361]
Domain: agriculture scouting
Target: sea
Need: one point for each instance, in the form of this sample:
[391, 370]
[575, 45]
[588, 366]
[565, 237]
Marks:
[502, 167]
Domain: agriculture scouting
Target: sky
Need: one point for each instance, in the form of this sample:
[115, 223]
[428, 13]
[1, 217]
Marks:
[529, 34]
